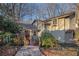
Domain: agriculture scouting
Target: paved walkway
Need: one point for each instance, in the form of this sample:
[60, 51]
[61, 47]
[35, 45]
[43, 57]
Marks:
[29, 51]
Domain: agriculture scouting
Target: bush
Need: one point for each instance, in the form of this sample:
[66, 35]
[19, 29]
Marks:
[10, 38]
[7, 37]
[47, 40]
[8, 25]
[11, 27]
[17, 41]
[8, 29]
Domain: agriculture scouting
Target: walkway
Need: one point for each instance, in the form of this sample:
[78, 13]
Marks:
[29, 51]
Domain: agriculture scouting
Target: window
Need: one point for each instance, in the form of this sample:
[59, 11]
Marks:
[55, 22]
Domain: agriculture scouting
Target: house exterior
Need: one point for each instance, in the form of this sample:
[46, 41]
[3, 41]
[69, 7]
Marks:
[62, 27]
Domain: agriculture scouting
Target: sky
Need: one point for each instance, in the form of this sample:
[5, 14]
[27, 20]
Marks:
[42, 7]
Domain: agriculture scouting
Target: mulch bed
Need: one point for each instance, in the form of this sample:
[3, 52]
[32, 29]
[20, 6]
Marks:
[8, 51]
[65, 52]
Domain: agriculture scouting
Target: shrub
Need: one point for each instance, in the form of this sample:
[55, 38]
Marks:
[7, 37]
[8, 25]
[48, 40]
[9, 29]
[12, 27]
[17, 40]
[10, 38]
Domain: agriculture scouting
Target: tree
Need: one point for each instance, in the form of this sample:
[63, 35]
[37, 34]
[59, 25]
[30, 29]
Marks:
[7, 25]
[12, 11]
